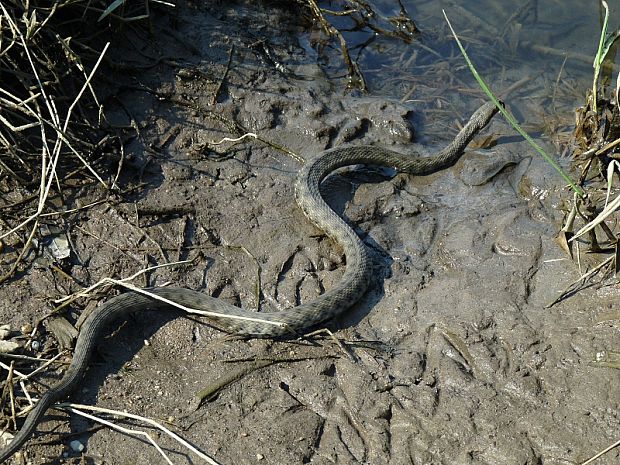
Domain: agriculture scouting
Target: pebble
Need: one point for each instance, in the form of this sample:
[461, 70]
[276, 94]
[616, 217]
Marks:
[35, 345]
[26, 329]
[76, 446]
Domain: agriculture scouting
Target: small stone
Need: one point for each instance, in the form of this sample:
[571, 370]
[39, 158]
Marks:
[35, 345]
[76, 446]
[260, 457]
[26, 329]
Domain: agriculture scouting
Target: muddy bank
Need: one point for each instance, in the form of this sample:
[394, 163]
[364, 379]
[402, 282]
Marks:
[450, 358]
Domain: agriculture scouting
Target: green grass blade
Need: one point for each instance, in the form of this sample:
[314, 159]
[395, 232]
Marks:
[511, 119]
[113, 6]
[609, 42]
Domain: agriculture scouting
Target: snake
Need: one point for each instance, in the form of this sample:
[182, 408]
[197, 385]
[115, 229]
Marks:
[353, 284]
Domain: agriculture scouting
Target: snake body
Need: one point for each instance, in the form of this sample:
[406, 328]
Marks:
[351, 287]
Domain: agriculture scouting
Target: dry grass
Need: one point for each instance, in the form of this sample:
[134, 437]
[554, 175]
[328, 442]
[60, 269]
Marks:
[53, 134]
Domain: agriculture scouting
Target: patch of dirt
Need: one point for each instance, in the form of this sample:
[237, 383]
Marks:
[450, 358]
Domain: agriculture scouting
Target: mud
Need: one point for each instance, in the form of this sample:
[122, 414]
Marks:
[450, 358]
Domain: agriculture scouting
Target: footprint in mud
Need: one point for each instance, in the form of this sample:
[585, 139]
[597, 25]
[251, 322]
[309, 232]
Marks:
[347, 396]
[472, 387]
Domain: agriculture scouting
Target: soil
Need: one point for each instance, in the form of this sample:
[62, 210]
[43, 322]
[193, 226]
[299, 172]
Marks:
[452, 357]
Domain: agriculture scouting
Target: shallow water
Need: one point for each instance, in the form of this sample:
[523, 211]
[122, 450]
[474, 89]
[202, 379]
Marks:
[552, 43]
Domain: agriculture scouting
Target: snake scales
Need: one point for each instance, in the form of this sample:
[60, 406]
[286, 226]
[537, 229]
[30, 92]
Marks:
[291, 322]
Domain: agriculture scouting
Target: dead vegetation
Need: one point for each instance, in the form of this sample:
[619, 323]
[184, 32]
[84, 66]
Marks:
[595, 142]
[51, 137]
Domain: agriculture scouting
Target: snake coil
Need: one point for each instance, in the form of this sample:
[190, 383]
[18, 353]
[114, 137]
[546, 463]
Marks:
[290, 322]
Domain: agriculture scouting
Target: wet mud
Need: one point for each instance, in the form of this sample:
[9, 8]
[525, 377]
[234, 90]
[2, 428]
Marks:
[452, 357]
